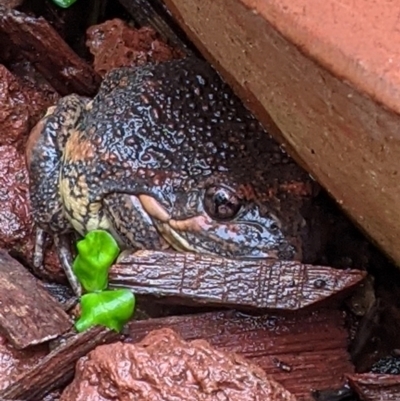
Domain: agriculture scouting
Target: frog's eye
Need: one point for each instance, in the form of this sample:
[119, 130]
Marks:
[221, 203]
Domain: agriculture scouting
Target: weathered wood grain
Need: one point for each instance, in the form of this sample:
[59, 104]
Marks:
[57, 368]
[376, 387]
[39, 43]
[264, 284]
[29, 315]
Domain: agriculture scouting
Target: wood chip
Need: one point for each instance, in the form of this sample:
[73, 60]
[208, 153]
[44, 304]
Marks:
[376, 387]
[265, 284]
[11, 3]
[15, 361]
[39, 43]
[304, 351]
[154, 14]
[57, 368]
[29, 315]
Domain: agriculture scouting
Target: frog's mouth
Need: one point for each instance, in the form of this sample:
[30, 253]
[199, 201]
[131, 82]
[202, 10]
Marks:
[169, 228]
[174, 233]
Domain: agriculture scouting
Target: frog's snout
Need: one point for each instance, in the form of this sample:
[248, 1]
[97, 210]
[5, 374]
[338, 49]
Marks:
[203, 234]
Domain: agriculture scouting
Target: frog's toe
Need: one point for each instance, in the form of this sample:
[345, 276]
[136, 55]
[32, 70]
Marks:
[65, 256]
[38, 255]
[73, 280]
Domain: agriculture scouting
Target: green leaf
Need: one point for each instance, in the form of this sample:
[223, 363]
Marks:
[64, 3]
[96, 254]
[111, 308]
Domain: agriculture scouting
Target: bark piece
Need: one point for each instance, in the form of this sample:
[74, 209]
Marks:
[24, 98]
[57, 368]
[39, 43]
[29, 315]
[265, 284]
[375, 387]
[15, 217]
[303, 351]
[165, 367]
[116, 44]
[11, 3]
[13, 362]
[155, 15]
[14, 109]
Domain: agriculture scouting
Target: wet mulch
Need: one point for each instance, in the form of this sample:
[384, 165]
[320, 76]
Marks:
[320, 339]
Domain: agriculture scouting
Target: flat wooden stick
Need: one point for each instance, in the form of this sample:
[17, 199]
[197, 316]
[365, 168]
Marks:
[263, 284]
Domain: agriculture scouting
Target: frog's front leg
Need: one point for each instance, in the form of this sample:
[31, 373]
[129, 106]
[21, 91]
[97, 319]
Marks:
[63, 247]
[44, 152]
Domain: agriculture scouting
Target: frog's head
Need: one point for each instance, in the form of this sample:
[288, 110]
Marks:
[221, 217]
[217, 182]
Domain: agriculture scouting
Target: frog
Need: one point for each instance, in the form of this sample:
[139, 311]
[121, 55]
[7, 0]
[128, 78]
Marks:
[167, 156]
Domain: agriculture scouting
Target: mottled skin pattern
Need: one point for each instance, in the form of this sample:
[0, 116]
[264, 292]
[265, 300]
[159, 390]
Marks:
[167, 154]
